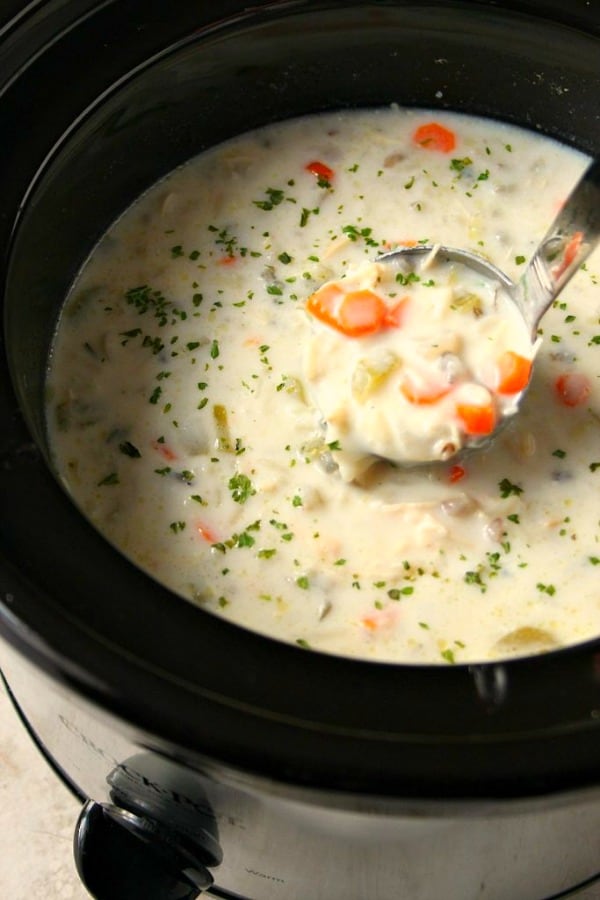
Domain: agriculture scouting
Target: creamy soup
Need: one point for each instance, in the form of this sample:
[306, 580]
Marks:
[413, 360]
[228, 439]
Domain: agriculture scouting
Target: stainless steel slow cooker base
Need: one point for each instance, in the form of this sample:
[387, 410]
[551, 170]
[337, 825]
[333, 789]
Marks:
[276, 842]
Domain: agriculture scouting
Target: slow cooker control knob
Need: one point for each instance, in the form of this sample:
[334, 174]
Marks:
[121, 855]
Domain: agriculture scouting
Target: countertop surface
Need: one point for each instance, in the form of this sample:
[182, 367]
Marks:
[37, 820]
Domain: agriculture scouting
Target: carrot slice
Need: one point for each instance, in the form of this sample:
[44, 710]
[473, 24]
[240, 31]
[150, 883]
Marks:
[394, 315]
[433, 136]
[355, 314]
[477, 420]
[571, 251]
[360, 313]
[324, 303]
[456, 473]
[514, 372]
[572, 388]
[322, 171]
[206, 533]
[164, 451]
[422, 394]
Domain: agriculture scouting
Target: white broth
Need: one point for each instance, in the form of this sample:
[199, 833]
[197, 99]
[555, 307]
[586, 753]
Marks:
[189, 422]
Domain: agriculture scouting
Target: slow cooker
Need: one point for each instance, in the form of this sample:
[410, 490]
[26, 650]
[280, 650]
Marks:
[209, 758]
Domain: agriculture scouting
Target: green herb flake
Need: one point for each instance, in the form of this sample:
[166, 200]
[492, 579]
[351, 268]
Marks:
[546, 588]
[507, 488]
[266, 553]
[111, 479]
[129, 449]
[241, 488]
[274, 197]
[459, 165]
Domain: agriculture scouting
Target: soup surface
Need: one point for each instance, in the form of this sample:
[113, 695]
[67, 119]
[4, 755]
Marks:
[198, 411]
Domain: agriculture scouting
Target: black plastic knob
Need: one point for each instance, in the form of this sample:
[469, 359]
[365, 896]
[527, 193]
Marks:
[122, 855]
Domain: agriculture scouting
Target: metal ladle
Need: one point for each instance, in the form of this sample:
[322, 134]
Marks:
[568, 242]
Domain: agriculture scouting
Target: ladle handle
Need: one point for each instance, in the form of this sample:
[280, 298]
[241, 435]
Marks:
[567, 243]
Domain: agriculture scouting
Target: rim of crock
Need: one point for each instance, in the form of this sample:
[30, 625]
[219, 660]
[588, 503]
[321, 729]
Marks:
[254, 702]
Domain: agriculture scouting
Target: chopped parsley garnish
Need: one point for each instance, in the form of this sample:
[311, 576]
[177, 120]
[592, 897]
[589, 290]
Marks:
[274, 197]
[241, 487]
[507, 488]
[459, 165]
[129, 449]
[113, 478]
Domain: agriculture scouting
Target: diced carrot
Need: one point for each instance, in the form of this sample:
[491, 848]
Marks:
[572, 388]
[360, 313]
[320, 169]
[476, 419]
[324, 303]
[369, 622]
[394, 315]
[226, 260]
[355, 314]
[456, 473]
[571, 251]
[206, 533]
[422, 394]
[390, 245]
[164, 450]
[514, 372]
[433, 136]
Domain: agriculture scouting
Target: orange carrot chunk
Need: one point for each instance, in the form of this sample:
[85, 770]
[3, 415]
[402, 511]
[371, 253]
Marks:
[206, 533]
[394, 315]
[433, 136]
[571, 251]
[477, 420]
[320, 169]
[514, 372]
[422, 394]
[572, 388]
[324, 303]
[360, 313]
[355, 314]
[456, 473]
[164, 450]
